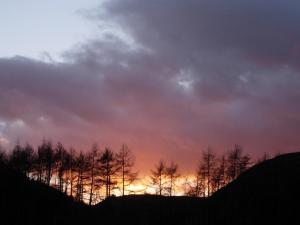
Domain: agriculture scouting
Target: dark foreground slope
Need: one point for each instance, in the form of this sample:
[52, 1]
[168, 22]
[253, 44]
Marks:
[153, 210]
[268, 193]
[25, 202]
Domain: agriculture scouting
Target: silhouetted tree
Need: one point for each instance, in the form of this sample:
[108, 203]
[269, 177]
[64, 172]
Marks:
[92, 156]
[3, 155]
[195, 187]
[61, 159]
[244, 163]
[71, 167]
[172, 175]
[15, 159]
[39, 164]
[29, 158]
[81, 167]
[48, 158]
[237, 162]
[108, 168]
[21, 158]
[45, 161]
[67, 158]
[219, 174]
[125, 160]
[207, 167]
[158, 177]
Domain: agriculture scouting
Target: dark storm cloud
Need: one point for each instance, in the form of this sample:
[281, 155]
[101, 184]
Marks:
[269, 31]
[167, 77]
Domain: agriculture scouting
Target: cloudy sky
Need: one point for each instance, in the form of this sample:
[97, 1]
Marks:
[167, 77]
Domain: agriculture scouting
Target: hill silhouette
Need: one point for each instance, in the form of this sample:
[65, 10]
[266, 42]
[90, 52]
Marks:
[24, 201]
[151, 209]
[267, 193]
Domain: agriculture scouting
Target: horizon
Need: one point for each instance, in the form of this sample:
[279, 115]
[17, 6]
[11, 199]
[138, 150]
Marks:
[97, 174]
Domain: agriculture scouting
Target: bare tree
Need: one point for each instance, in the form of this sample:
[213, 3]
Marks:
[158, 176]
[46, 161]
[92, 156]
[125, 160]
[172, 175]
[108, 169]
[237, 162]
[61, 159]
[81, 167]
[21, 158]
[207, 168]
[39, 165]
[195, 187]
[72, 168]
[200, 185]
[49, 161]
[15, 159]
[244, 163]
[219, 174]
[69, 171]
[29, 159]
[3, 155]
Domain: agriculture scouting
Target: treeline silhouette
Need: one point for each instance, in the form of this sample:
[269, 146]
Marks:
[96, 174]
[213, 172]
[88, 177]
[266, 193]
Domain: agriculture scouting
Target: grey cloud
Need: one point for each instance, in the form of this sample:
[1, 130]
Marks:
[268, 31]
[190, 74]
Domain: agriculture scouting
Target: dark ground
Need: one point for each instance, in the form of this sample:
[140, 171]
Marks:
[268, 193]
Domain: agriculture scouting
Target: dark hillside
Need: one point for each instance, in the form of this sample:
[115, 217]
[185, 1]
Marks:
[23, 202]
[268, 193]
[150, 209]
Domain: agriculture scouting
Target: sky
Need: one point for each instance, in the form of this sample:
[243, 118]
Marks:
[39, 29]
[167, 77]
